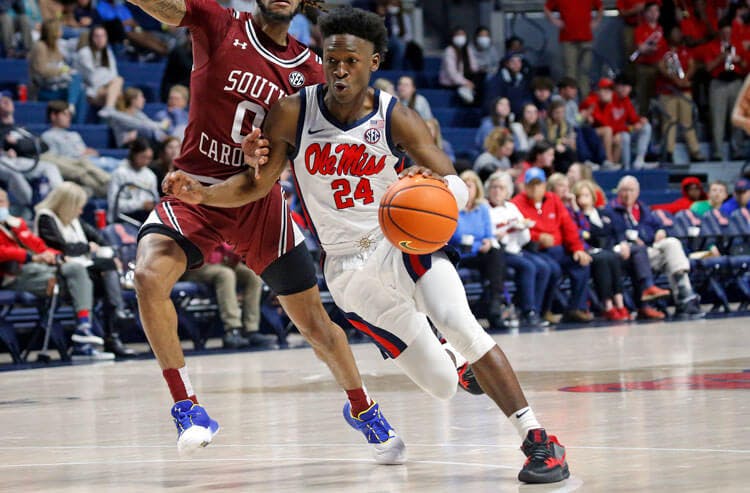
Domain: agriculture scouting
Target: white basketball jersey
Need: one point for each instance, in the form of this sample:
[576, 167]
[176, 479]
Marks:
[342, 171]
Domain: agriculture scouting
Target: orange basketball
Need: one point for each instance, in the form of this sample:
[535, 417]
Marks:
[418, 214]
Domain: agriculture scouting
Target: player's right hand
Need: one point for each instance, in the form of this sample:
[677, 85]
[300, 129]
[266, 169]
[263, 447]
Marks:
[183, 187]
[420, 170]
[256, 149]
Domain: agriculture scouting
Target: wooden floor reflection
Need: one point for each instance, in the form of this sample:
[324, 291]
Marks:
[658, 407]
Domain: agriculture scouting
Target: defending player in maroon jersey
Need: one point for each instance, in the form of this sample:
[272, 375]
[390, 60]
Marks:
[242, 65]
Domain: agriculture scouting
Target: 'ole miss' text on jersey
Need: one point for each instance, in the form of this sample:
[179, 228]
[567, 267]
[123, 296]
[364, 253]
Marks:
[238, 74]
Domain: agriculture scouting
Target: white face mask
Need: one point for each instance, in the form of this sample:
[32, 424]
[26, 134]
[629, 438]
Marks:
[459, 41]
[393, 9]
[484, 42]
[4, 214]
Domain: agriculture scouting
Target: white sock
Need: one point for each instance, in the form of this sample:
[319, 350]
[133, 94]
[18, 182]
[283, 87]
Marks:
[459, 360]
[524, 420]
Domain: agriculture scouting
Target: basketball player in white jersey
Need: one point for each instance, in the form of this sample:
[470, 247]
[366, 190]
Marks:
[345, 141]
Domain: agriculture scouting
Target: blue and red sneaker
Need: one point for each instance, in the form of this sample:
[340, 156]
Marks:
[545, 459]
[195, 428]
[388, 448]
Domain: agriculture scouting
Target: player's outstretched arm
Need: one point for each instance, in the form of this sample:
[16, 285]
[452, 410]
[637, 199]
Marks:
[167, 11]
[741, 111]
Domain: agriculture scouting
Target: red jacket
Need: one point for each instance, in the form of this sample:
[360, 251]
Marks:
[576, 14]
[553, 218]
[644, 32]
[683, 202]
[11, 251]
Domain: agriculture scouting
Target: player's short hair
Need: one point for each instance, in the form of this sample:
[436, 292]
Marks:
[357, 22]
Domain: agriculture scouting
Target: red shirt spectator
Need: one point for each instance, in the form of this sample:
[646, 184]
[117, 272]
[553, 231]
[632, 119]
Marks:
[622, 114]
[692, 191]
[552, 218]
[18, 244]
[654, 34]
[633, 18]
[696, 33]
[576, 18]
[741, 35]
[665, 85]
[715, 51]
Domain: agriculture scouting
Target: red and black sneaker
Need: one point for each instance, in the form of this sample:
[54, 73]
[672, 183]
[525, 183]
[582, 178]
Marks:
[467, 380]
[545, 459]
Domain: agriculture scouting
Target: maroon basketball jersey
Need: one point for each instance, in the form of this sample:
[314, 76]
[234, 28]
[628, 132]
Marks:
[238, 74]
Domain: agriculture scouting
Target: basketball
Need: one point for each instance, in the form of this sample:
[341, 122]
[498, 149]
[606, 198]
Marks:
[418, 214]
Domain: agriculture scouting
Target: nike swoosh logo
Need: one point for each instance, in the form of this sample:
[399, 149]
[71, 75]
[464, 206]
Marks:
[518, 416]
[313, 132]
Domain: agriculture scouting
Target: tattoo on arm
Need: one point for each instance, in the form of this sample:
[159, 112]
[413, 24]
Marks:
[168, 11]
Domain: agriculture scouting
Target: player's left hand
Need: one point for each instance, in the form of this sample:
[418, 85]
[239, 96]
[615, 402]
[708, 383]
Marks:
[256, 149]
[420, 170]
[183, 187]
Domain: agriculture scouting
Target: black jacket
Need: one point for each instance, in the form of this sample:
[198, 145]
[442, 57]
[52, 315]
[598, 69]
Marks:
[53, 237]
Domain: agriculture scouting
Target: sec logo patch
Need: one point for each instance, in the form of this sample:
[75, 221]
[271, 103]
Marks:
[296, 79]
[372, 136]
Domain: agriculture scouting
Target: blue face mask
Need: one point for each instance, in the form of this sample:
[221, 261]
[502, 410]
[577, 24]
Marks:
[4, 214]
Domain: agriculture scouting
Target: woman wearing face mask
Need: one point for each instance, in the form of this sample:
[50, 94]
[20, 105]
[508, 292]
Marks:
[399, 32]
[458, 67]
[484, 52]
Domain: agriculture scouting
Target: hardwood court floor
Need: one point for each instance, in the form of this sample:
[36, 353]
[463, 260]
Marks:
[106, 427]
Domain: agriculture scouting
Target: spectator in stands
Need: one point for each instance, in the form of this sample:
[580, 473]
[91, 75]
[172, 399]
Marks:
[164, 163]
[579, 172]
[85, 13]
[70, 154]
[72, 28]
[176, 112]
[588, 143]
[692, 191]
[19, 159]
[384, 85]
[407, 94]
[630, 128]
[179, 66]
[499, 145]
[596, 108]
[717, 195]
[458, 67]
[399, 28]
[630, 11]
[556, 237]
[28, 264]
[541, 88]
[673, 84]
[225, 272]
[596, 226]
[740, 199]
[120, 25]
[632, 220]
[133, 189]
[698, 31]
[512, 231]
[58, 224]
[561, 136]
[542, 156]
[443, 144]
[51, 78]
[128, 121]
[475, 239]
[97, 65]
[510, 82]
[650, 47]
[484, 52]
[529, 130]
[500, 117]
[728, 66]
[559, 184]
[576, 24]
[18, 22]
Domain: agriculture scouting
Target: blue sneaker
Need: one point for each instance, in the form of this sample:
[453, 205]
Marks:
[195, 428]
[84, 335]
[388, 447]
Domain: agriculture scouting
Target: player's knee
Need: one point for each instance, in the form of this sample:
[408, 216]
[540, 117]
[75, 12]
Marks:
[150, 283]
[444, 383]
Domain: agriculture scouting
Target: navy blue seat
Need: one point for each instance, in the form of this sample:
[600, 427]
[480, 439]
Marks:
[458, 117]
[440, 97]
[649, 179]
[151, 109]
[31, 112]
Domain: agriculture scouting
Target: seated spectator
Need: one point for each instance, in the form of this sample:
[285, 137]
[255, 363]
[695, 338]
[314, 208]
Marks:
[541, 89]
[72, 28]
[673, 84]
[588, 144]
[384, 85]
[630, 129]
[510, 82]
[633, 221]
[556, 238]
[85, 13]
[97, 65]
[120, 25]
[500, 117]
[514, 44]
[407, 94]
[400, 32]
[51, 78]
[70, 154]
[484, 52]
[129, 122]
[164, 162]
[28, 264]
[597, 231]
[692, 191]
[133, 189]
[458, 67]
[225, 272]
[475, 239]
[442, 144]
[727, 65]
[12, 24]
[176, 112]
[718, 192]
[740, 198]
[561, 136]
[58, 224]
[529, 130]
[650, 45]
[541, 156]
[558, 184]
[179, 66]
[499, 145]
[579, 172]
[19, 159]
[532, 275]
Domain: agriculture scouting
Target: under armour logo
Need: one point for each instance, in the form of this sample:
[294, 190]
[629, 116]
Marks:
[239, 43]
